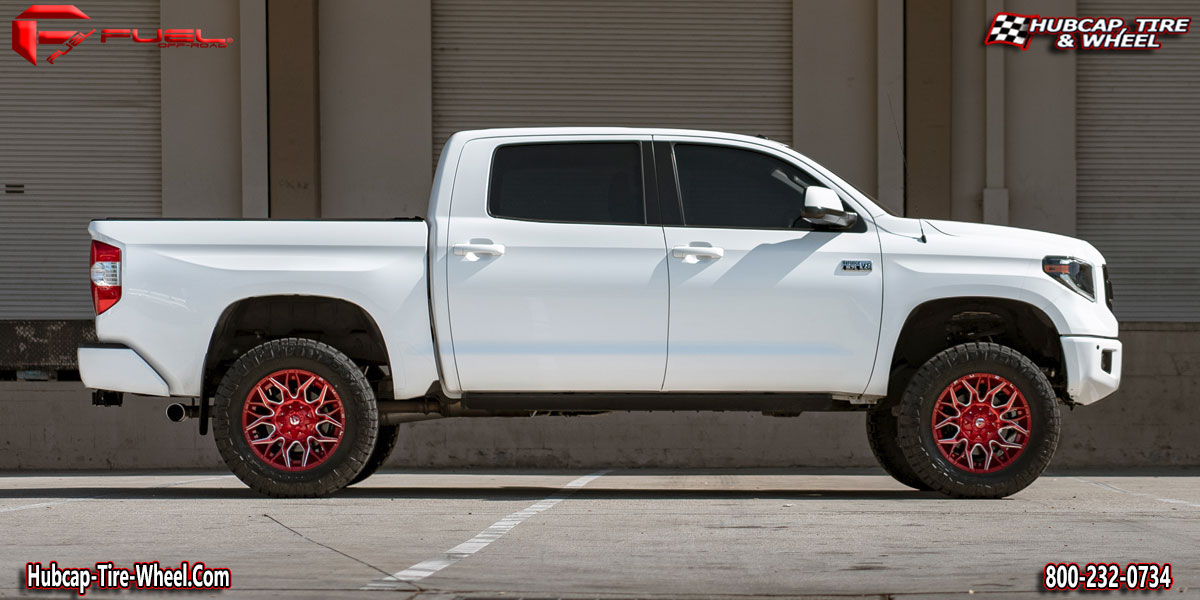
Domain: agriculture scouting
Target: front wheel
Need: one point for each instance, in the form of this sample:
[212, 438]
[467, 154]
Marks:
[978, 420]
[384, 444]
[885, 445]
[295, 418]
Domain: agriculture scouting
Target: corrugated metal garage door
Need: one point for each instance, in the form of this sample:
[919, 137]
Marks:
[79, 139]
[708, 64]
[1138, 119]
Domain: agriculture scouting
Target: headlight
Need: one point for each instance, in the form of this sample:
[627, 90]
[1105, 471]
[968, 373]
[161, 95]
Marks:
[1073, 273]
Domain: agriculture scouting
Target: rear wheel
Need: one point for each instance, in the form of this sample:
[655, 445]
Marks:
[295, 418]
[978, 420]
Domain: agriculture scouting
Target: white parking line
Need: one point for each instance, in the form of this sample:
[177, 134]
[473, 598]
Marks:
[1124, 491]
[69, 500]
[426, 568]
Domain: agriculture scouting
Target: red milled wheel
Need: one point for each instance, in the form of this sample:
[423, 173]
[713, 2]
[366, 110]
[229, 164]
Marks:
[981, 422]
[978, 420]
[295, 418]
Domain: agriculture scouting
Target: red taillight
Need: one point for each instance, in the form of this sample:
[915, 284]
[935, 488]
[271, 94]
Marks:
[106, 276]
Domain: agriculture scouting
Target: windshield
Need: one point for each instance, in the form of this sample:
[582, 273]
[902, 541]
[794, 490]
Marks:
[885, 208]
[836, 181]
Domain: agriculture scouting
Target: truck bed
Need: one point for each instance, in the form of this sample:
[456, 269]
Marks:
[181, 274]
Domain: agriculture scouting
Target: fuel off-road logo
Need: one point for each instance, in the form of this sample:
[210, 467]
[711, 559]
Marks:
[27, 35]
[1085, 33]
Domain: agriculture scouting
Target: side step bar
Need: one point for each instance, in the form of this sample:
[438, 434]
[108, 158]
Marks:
[750, 402]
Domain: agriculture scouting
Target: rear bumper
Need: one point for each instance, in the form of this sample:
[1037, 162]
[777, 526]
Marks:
[1093, 367]
[119, 368]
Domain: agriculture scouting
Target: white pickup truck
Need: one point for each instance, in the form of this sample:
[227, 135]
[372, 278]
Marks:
[586, 270]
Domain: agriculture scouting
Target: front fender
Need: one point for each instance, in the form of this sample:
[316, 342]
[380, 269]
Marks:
[914, 275]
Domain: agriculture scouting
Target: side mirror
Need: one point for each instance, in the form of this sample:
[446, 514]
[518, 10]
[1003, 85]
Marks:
[823, 207]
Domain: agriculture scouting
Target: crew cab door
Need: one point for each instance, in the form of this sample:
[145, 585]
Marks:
[556, 281]
[760, 299]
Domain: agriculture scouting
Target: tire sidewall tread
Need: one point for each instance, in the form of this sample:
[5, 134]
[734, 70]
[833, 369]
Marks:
[384, 444]
[915, 435]
[885, 445]
[358, 401]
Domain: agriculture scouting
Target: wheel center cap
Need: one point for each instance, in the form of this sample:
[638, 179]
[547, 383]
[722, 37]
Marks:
[978, 421]
[294, 420]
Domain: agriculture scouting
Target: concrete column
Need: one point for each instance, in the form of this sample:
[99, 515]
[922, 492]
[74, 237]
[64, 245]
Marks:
[252, 51]
[1040, 120]
[889, 133]
[995, 195]
[293, 110]
[376, 104]
[833, 91]
[927, 89]
[967, 108]
[201, 144]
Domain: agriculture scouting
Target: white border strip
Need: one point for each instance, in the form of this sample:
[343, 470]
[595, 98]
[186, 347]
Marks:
[105, 496]
[1123, 491]
[426, 568]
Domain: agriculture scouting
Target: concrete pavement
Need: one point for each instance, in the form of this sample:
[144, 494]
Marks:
[625, 533]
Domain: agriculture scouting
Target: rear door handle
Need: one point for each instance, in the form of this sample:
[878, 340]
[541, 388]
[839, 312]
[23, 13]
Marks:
[695, 253]
[474, 251]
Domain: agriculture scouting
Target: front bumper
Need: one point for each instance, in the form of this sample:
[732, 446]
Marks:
[119, 368]
[1093, 367]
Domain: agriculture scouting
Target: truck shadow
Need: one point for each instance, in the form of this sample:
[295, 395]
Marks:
[66, 495]
[535, 493]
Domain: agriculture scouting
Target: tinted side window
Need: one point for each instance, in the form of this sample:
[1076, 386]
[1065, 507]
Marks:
[571, 183]
[731, 187]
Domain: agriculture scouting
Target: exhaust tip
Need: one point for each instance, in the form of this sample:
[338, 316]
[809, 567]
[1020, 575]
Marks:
[178, 413]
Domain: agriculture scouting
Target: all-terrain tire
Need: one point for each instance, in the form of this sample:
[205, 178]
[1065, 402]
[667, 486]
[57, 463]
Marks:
[885, 445]
[384, 444]
[359, 416]
[916, 426]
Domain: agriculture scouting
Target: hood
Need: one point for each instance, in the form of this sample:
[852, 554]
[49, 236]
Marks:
[1039, 242]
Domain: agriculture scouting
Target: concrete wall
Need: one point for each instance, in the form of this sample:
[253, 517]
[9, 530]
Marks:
[967, 112]
[1012, 123]
[927, 122]
[1040, 119]
[293, 115]
[1150, 422]
[376, 108]
[214, 130]
[201, 115]
[834, 87]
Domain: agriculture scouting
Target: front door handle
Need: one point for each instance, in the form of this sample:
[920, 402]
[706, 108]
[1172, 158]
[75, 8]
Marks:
[692, 254]
[474, 251]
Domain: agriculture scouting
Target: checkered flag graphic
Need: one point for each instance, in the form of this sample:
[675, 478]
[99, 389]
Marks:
[1010, 29]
